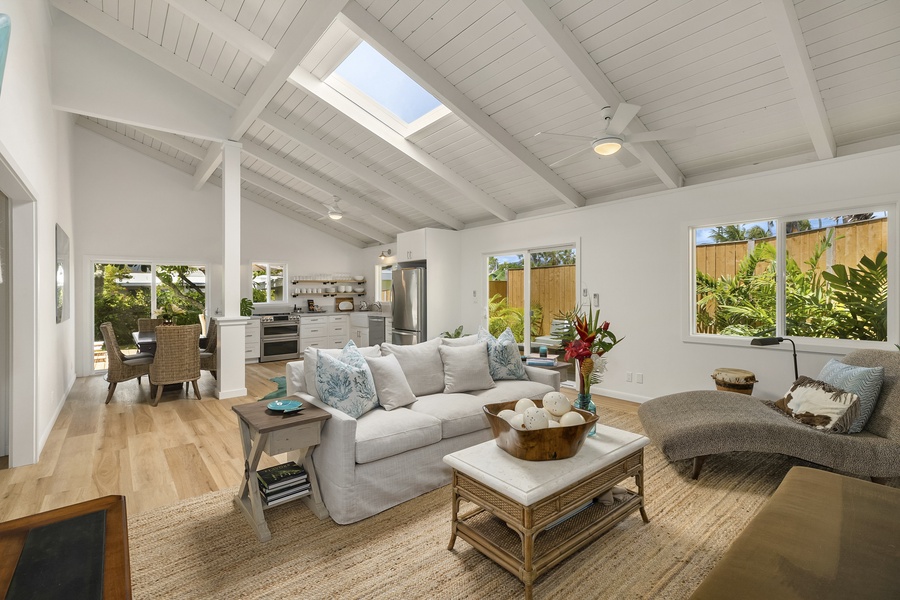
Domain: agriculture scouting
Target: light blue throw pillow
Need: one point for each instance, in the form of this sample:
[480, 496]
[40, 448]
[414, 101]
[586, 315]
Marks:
[865, 382]
[504, 359]
[346, 383]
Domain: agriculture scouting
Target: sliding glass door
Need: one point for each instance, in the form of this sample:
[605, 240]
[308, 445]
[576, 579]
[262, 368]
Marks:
[126, 292]
[542, 279]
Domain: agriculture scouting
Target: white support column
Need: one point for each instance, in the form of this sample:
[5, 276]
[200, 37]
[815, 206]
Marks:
[231, 382]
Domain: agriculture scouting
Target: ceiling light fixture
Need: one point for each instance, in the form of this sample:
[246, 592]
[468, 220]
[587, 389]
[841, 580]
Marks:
[334, 211]
[334, 215]
[607, 145]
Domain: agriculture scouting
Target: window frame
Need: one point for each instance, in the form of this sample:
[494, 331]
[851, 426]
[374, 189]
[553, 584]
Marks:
[889, 204]
[286, 285]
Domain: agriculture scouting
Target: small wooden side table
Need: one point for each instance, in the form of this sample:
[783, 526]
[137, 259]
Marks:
[86, 543]
[266, 431]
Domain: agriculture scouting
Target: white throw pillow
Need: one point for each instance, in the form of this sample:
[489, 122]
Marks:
[345, 383]
[466, 340]
[504, 358]
[422, 365]
[466, 368]
[390, 383]
[310, 361]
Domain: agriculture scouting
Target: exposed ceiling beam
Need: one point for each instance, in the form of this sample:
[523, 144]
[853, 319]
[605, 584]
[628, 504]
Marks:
[786, 28]
[371, 29]
[175, 141]
[347, 197]
[306, 28]
[355, 167]
[133, 144]
[208, 165]
[105, 25]
[557, 38]
[226, 28]
[313, 205]
[323, 92]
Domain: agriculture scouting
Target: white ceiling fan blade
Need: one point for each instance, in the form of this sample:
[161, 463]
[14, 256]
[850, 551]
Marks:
[626, 158]
[622, 117]
[562, 160]
[565, 136]
[669, 133]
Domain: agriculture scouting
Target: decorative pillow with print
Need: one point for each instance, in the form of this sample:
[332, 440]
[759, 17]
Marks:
[865, 382]
[819, 405]
[345, 382]
[504, 358]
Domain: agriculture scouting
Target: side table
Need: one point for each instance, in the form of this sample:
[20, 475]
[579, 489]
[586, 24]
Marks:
[266, 431]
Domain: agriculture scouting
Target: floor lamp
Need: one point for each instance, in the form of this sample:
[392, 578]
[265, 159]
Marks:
[774, 341]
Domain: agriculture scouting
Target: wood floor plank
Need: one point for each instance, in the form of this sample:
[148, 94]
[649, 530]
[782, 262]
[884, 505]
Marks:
[189, 472]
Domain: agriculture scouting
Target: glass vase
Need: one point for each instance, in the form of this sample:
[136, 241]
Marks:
[585, 402]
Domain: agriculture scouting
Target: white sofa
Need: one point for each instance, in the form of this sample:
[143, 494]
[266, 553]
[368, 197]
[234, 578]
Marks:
[386, 457]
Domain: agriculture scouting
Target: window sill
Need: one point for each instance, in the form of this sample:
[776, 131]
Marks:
[818, 346]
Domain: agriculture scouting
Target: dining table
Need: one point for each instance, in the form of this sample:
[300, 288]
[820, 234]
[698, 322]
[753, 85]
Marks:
[146, 341]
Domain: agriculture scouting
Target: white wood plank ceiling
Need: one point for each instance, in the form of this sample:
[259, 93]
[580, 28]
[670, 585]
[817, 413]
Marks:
[766, 83]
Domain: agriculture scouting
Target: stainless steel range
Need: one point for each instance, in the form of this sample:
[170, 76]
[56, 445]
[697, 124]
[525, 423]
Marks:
[279, 337]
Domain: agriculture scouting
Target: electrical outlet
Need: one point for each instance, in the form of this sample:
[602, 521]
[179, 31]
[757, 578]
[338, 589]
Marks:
[628, 376]
[596, 299]
[639, 378]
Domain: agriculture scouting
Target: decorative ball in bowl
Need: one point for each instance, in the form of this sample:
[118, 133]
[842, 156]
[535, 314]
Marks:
[551, 443]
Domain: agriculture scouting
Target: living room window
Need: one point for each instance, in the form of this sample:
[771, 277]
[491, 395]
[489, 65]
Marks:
[267, 280]
[822, 276]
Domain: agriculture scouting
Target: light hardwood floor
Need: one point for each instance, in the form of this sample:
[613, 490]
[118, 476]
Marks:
[152, 455]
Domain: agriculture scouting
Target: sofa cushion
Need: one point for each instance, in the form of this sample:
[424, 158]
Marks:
[862, 381]
[421, 363]
[466, 340]
[390, 382]
[459, 414]
[380, 434]
[504, 358]
[345, 382]
[310, 361]
[465, 368]
[513, 389]
[819, 405]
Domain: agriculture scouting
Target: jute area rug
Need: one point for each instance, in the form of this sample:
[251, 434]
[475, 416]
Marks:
[203, 548]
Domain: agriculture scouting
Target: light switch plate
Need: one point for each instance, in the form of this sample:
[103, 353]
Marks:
[596, 299]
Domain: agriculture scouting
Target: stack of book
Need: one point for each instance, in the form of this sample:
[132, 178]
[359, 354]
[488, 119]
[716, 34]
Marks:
[536, 360]
[283, 483]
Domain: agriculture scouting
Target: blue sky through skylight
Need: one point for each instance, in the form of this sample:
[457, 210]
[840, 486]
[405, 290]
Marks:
[378, 78]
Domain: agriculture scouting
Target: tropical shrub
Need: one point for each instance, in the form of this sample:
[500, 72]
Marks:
[501, 315]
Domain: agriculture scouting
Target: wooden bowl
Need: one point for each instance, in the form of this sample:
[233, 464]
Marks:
[539, 444]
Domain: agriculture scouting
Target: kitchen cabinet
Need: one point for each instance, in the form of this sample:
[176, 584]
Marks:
[338, 331]
[389, 330]
[412, 245]
[359, 329]
[251, 340]
[314, 332]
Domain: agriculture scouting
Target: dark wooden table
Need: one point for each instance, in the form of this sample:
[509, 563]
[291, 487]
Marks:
[75, 552]
[146, 341]
[263, 430]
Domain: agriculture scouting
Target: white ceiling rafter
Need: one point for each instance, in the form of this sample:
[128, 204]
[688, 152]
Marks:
[313, 205]
[782, 17]
[371, 29]
[320, 183]
[134, 144]
[176, 141]
[310, 84]
[306, 28]
[557, 38]
[377, 180]
[142, 46]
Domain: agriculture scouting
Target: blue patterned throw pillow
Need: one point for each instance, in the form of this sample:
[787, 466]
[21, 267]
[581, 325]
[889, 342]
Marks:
[346, 383]
[865, 382]
[504, 359]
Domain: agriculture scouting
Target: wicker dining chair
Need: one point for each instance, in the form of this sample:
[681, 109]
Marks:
[145, 325]
[120, 367]
[177, 358]
[209, 355]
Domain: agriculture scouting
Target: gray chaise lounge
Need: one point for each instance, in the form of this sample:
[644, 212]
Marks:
[695, 425]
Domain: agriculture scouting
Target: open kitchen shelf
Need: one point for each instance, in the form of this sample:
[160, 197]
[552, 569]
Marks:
[324, 295]
[328, 281]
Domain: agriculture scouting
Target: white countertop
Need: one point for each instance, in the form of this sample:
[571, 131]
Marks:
[529, 481]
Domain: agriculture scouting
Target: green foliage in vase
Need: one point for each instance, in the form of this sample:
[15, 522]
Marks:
[456, 333]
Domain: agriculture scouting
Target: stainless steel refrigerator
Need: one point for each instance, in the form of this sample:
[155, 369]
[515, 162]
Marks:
[408, 288]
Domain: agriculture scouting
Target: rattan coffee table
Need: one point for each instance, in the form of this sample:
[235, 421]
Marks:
[531, 515]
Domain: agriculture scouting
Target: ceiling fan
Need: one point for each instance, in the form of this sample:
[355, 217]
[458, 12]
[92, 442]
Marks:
[334, 211]
[610, 141]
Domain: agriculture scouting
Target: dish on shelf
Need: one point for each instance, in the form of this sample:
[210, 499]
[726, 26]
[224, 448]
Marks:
[284, 405]
[359, 290]
[358, 277]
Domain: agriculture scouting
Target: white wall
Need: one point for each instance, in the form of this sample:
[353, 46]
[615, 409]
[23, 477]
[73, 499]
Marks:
[131, 206]
[35, 147]
[635, 254]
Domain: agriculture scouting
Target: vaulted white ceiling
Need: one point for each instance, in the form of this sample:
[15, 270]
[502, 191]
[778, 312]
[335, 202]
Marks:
[766, 84]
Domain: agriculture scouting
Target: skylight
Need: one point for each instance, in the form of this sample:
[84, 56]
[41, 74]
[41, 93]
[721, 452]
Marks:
[382, 82]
